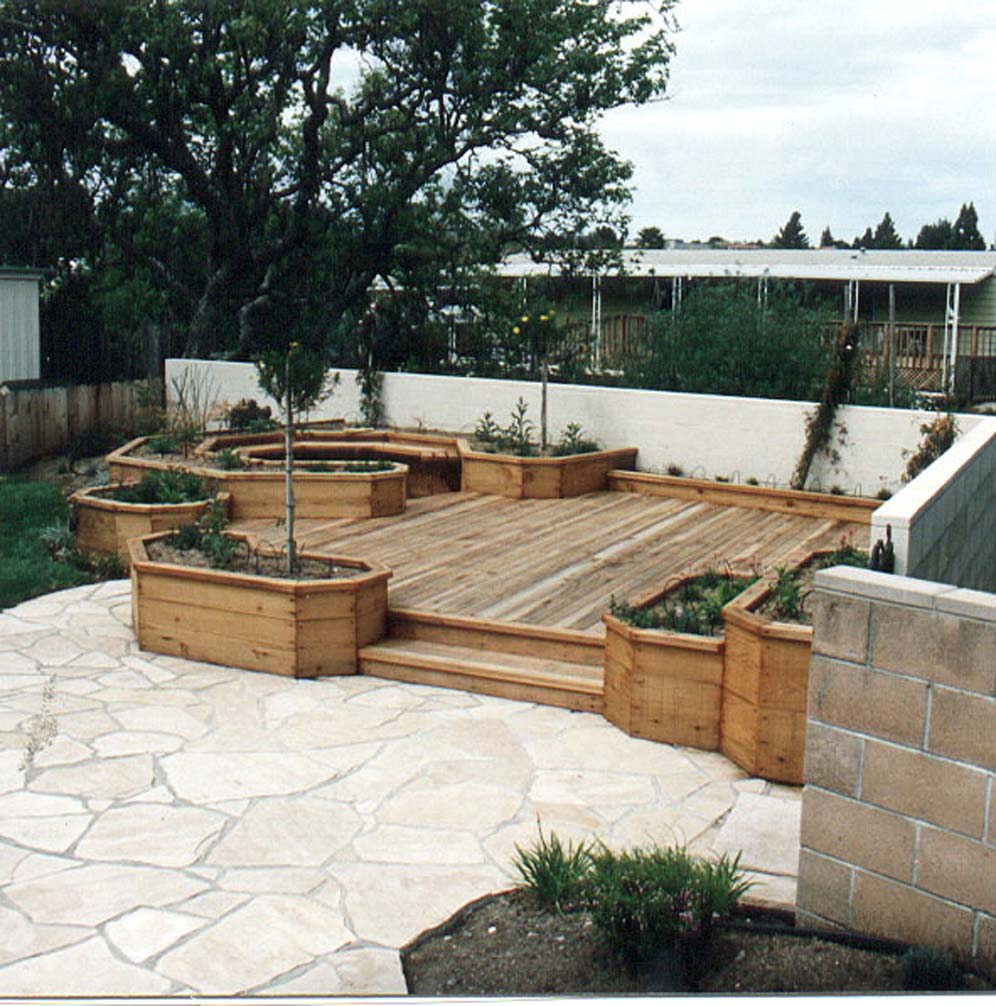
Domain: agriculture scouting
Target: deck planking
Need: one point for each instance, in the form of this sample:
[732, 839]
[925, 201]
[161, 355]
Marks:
[556, 562]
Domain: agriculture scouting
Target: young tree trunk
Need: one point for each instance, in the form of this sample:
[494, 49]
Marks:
[289, 475]
[544, 373]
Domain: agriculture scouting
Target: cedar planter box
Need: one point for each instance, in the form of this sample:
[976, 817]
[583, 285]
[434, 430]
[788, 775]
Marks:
[540, 478]
[298, 628]
[260, 492]
[105, 525]
[765, 685]
[663, 686]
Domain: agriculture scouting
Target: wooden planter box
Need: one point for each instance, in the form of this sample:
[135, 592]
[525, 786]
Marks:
[765, 685]
[664, 686]
[105, 525]
[540, 478]
[299, 628]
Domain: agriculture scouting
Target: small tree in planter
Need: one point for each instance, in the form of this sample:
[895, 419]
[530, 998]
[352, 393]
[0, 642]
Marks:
[298, 379]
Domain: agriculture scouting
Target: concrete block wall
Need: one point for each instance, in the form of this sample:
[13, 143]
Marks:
[944, 522]
[898, 834]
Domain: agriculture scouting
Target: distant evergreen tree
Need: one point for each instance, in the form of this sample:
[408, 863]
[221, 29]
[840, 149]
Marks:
[791, 235]
[885, 235]
[867, 240]
[650, 237]
[826, 239]
[935, 237]
[966, 235]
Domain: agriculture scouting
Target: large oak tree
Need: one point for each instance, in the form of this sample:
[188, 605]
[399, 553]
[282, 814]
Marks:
[297, 153]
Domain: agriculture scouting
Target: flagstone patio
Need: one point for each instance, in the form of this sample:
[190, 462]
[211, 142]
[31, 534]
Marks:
[175, 828]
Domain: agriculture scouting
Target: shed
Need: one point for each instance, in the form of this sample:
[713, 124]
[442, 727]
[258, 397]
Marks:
[20, 347]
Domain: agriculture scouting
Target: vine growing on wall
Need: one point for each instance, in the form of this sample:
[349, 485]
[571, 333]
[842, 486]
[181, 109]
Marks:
[836, 391]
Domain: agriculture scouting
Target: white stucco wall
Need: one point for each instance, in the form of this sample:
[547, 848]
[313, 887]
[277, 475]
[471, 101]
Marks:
[706, 435]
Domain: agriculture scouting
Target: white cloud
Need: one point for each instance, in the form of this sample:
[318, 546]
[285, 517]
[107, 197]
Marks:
[842, 110]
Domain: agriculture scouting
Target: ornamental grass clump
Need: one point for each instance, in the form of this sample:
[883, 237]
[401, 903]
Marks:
[553, 872]
[695, 607]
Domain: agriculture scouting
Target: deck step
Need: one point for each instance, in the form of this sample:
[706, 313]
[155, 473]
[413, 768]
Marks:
[505, 675]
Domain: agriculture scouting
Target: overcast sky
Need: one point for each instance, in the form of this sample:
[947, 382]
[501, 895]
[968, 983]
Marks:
[842, 109]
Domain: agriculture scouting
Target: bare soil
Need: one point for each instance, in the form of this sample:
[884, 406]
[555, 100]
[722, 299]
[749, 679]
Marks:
[254, 563]
[508, 945]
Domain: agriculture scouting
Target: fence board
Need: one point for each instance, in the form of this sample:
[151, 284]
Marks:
[38, 421]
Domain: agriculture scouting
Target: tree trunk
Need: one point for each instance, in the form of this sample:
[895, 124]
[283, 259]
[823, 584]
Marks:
[289, 475]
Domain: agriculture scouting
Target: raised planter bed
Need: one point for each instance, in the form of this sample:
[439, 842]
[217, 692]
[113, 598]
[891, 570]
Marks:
[300, 628]
[105, 525]
[540, 478]
[259, 491]
[663, 686]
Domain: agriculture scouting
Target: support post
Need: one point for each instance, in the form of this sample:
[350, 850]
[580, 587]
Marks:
[892, 345]
[954, 338]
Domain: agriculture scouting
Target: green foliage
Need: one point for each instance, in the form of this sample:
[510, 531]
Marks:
[836, 390]
[162, 444]
[229, 459]
[487, 431]
[845, 554]
[573, 441]
[515, 438]
[367, 466]
[696, 606]
[791, 235]
[248, 414]
[174, 485]
[938, 436]
[963, 235]
[650, 237]
[645, 899]
[553, 872]
[787, 597]
[723, 342]
[37, 550]
[930, 969]
[306, 370]
[207, 535]
[675, 471]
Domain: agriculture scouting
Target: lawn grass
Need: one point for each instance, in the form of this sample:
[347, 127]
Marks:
[27, 568]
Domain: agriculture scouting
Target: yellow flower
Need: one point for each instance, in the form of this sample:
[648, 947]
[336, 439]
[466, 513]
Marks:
[543, 317]
[515, 330]
[525, 317]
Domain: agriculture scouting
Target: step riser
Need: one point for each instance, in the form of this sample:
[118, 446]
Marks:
[563, 698]
[481, 638]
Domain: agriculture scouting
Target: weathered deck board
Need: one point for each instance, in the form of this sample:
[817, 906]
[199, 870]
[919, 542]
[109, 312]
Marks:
[556, 562]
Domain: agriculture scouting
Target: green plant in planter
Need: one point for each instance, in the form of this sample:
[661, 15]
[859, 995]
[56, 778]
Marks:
[162, 444]
[696, 606]
[487, 431]
[229, 459]
[553, 872]
[207, 535]
[517, 437]
[787, 596]
[248, 414]
[174, 485]
[573, 441]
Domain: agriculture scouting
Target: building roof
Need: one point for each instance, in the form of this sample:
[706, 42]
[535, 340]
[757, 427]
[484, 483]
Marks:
[812, 264]
[16, 272]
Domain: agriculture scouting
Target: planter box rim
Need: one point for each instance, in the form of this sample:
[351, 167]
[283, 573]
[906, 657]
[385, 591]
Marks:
[141, 563]
[476, 455]
[92, 495]
[683, 640]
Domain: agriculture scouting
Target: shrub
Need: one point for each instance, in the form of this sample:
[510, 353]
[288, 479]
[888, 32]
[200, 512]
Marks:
[248, 414]
[552, 872]
[787, 597]
[930, 969]
[573, 441]
[163, 443]
[696, 606]
[676, 471]
[170, 486]
[938, 436]
[229, 459]
[207, 535]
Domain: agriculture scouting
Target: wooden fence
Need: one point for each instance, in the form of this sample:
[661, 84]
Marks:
[37, 421]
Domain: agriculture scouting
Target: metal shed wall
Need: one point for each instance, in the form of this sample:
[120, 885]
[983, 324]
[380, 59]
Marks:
[20, 350]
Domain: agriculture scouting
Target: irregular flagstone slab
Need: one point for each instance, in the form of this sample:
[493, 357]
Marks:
[179, 722]
[765, 830]
[325, 729]
[90, 895]
[662, 825]
[50, 834]
[128, 742]
[464, 806]
[87, 969]
[591, 788]
[21, 939]
[390, 905]
[146, 932]
[157, 834]
[86, 725]
[558, 816]
[273, 880]
[294, 832]
[515, 774]
[211, 777]
[213, 904]
[105, 778]
[39, 864]
[711, 801]
[251, 947]
[11, 770]
[501, 850]
[53, 650]
[773, 891]
[364, 972]
[396, 844]
[10, 857]
[62, 751]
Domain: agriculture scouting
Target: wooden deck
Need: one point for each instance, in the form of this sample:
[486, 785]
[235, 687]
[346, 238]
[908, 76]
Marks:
[555, 562]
